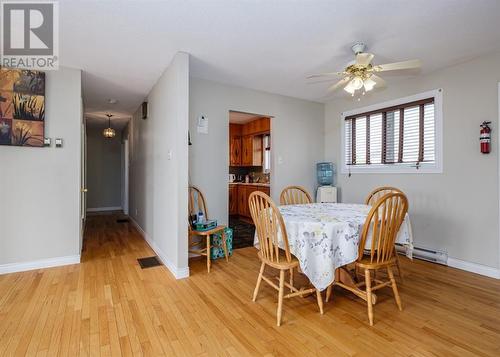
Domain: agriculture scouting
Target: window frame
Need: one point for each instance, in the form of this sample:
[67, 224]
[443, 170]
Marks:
[424, 167]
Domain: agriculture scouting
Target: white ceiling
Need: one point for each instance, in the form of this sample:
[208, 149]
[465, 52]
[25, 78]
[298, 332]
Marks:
[98, 119]
[123, 46]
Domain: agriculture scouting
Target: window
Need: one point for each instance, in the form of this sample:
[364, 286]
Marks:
[397, 136]
[267, 153]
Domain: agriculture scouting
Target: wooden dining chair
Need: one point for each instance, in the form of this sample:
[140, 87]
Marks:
[294, 195]
[268, 224]
[198, 238]
[377, 193]
[372, 198]
[383, 221]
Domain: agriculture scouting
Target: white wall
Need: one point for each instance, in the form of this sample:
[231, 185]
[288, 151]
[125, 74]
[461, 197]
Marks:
[456, 211]
[158, 182]
[40, 187]
[297, 135]
[104, 176]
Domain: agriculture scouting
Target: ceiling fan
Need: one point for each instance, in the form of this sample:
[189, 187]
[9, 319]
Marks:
[361, 74]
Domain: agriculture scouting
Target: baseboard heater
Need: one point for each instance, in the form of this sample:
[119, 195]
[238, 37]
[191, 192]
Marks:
[430, 255]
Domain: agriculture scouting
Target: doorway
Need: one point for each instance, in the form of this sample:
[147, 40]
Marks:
[107, 166]
[249, 170]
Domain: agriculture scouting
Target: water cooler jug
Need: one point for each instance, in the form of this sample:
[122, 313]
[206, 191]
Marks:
[327, 192]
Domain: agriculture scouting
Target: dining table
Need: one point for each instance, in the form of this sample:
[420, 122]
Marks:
[325, 237]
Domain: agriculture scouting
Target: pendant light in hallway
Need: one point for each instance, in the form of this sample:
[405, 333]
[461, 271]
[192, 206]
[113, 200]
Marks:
[109, 132]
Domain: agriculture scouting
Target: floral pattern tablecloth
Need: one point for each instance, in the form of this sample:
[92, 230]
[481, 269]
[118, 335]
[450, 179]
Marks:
[325, 236]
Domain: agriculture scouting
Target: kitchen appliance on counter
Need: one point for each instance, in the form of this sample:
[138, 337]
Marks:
[327, 192]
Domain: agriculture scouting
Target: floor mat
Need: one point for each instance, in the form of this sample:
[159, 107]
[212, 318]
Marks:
[243, 233]
[149, 262]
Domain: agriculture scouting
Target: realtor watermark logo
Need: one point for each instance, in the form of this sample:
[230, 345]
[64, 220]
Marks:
[29, 34]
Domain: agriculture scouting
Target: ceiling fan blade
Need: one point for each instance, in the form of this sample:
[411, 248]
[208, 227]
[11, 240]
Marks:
[325, 74]
[339, 84]
[364, 58]
[379, 81]
[398, 65]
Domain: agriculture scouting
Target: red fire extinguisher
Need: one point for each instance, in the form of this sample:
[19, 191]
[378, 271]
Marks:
[485, 137]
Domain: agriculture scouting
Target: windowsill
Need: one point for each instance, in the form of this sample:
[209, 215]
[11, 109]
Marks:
[390, 169]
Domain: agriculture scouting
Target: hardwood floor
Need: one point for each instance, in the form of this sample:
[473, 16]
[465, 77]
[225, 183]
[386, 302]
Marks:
[108, 305]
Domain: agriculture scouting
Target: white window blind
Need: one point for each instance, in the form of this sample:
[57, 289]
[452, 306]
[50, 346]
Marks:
[266, 142]
[403, 134]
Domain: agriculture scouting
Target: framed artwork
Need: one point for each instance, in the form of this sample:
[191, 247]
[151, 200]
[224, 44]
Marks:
[22, 107]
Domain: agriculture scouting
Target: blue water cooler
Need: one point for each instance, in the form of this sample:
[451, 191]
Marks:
[327, 192]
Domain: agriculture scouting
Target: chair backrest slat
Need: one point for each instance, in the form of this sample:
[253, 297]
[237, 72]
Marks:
[377, 193]
[269, 225]
[294, 195]
[197, 202]
[382, 225]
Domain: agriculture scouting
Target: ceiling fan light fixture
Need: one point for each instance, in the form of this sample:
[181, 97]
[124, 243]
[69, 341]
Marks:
[360, 74]
[357, 83]
[369, 84]
[349, 88]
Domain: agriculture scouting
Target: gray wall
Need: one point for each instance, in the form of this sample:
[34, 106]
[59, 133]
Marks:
[159, 166]
[456, 211]
[104, 179]
[40, 187]
[297, 135]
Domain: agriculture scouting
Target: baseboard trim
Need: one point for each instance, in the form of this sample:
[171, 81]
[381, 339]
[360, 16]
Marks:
[39, 264]
[104, 209]
[178, 273]
[474, 268]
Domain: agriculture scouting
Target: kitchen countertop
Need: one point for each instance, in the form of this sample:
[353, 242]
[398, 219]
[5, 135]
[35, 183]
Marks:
[250, 184]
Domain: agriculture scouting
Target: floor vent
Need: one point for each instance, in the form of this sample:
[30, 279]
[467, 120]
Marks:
[122, 220]
[430, 255]
[149, 262]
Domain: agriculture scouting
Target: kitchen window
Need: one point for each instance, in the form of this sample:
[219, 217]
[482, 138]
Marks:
[401, 136]
[266, 141]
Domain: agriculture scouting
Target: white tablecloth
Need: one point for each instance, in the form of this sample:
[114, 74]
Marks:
[325, 236]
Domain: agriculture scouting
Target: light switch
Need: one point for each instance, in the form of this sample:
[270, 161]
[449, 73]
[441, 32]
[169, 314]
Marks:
[280, 160]
[46, 142]
[59, 142]
[169, 155]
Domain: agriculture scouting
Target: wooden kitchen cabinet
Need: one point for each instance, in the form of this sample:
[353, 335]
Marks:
[251, 150]
[235, 151]
[245, 142]
[242, 201]
[247, 149]
[259, 126]
[235, 144]
[233, 199]
[243, 193]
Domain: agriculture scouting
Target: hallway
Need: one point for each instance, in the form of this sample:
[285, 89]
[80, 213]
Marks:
[108, 305]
